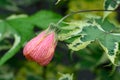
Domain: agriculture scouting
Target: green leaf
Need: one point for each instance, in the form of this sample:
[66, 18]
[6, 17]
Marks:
[16, 46]
[43, 18]
[109, 41]
[77, 44]
[71, 30]
[17, 27]
[106, 25]
[21, 27]
[110, 5]
[96, 30]
[66, 77]
[2, 29]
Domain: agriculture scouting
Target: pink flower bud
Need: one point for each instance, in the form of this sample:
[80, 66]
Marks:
[41, 48]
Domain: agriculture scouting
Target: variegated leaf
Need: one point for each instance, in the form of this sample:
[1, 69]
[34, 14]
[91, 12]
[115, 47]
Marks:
[72, 29]
[77, 44]
[66, 77]
[109, 41]
[110, 5]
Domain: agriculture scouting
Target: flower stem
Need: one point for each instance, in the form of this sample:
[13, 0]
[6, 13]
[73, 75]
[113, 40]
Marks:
[44, 72]
[81, 11]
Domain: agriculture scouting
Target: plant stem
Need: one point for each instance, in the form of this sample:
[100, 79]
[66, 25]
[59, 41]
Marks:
[81, 11]
[44, 72]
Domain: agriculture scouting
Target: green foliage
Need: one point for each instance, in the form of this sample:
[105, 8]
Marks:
[6, 73]
[42, 19]
[97, 30]
[92, 30]
[94, 40]
[21, 28]
[13, 5]
[66, 77]
[21, 34]
[110, 5]
[107, 40]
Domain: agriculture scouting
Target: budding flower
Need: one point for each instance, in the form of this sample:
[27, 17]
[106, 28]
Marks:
[41, 48]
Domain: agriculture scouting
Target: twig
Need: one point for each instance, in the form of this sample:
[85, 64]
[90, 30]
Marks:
[81, 11]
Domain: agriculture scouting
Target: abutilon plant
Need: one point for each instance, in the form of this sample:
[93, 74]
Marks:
[41, 48]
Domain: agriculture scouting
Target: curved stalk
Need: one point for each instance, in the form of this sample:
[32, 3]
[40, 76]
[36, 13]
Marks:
[81, 11]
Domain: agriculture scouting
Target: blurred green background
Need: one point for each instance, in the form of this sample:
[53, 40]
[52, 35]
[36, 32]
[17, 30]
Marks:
[86, 64]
